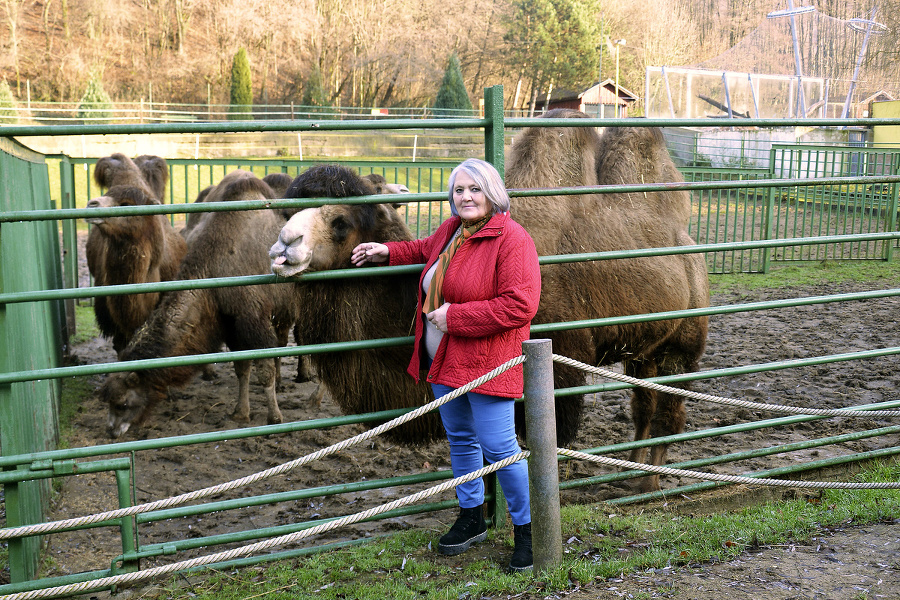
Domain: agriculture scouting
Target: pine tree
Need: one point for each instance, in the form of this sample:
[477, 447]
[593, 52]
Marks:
[315, 99]
[241, 103]
[452, 97]
[95, 104]
[7, 104]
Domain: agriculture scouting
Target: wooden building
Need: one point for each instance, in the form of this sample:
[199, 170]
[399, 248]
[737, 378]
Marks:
[599, 100]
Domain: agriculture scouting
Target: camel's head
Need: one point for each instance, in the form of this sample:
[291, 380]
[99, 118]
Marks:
[148, 172]
[317, 239]
[118, 195]
[383, 187]
[323, 238]
[127, 400]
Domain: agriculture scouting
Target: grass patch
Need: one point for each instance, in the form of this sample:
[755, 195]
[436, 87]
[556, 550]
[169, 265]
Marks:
[75, 390]
[809, 274]
[85, 325]
[600, 542]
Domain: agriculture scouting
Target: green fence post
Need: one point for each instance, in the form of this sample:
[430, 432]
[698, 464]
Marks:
[127, 525]
[494, 133]
[493, 153]
[768, 222]
[892, 208]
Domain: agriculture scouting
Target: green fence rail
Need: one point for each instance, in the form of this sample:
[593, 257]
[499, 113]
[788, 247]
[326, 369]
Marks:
[735, 220]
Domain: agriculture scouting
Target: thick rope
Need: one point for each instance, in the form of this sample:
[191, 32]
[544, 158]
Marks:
[226, 555]
[838, 412]
[355, 518]
[39, 528]
[821, 485]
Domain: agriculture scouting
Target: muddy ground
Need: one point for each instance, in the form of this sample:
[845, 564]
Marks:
[833, 565]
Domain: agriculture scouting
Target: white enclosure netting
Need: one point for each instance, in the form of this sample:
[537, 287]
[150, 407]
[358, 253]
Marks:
[758, 76]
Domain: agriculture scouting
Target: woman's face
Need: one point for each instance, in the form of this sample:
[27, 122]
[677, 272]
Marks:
[469, 199]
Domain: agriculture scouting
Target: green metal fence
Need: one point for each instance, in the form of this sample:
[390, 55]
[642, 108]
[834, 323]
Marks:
[31, 337]
[804, 206]
[719, 191]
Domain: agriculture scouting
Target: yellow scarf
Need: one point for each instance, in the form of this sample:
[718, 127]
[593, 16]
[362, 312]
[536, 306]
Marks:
[435, 298]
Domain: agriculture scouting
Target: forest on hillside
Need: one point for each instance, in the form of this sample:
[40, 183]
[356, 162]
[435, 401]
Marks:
[393, 53]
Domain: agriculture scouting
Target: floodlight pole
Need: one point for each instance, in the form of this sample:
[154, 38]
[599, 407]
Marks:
[870, 25]
[801, 100]
[792, 12]
[617, 44]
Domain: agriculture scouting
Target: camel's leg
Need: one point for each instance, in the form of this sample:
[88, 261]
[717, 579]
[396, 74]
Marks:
[242, 409]
[304, 367]
[669, 419]
[315, 400]
[281, 335]
[265, 373]
[644, 407]
[656, 414]
[208, 372]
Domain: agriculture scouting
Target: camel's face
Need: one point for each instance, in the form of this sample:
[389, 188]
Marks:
[101, 202]
[119, 196]
[293, 252]
[318, 239]
[127, 402]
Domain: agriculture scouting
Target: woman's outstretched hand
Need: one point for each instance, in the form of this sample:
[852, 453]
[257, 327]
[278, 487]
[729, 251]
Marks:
[369, 252]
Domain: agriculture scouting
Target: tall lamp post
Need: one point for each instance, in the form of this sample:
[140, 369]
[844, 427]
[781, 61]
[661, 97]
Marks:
[613, 46]
[792, 12]
[869, 27]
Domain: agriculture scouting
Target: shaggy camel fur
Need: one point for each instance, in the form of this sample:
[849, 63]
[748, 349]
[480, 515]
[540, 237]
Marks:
[134, 249]
[322, 238]
[564, 157]
[199, 321]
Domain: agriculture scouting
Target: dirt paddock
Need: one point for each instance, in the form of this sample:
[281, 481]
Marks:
[735, 340]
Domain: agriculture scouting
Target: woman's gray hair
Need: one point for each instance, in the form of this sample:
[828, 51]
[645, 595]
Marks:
[487, 178]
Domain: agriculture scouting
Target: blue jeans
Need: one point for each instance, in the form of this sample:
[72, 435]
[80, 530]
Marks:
[479, 428]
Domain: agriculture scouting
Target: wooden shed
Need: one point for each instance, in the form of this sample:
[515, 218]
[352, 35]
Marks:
[599, 100]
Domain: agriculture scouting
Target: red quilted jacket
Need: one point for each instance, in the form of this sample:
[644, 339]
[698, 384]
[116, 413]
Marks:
[493, 284]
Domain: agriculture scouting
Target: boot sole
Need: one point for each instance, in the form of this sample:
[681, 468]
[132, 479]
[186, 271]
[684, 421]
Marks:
[454, 549]
[513, 569]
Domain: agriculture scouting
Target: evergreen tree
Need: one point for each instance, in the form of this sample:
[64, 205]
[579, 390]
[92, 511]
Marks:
[7, 104]
[452, 97]
[557, 41]
[95, 104]
[315, 98]
[241, 102]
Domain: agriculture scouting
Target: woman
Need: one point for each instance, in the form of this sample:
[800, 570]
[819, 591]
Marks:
[477, 296]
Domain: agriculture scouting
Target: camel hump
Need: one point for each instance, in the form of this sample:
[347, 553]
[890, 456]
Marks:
[247, 188]
[554, 156]
[155, 171]
[150, 173]
[329, 181]
[110, 169]
[638, 155]
[634, 155]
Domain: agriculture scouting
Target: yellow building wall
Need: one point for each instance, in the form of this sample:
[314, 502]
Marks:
[886, 135]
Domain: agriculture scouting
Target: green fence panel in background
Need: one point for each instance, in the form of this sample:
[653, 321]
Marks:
[31, 337]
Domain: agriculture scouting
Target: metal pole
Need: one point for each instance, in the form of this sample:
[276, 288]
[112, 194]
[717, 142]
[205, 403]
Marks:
[801, 101]
[859, 59]
[543, 470]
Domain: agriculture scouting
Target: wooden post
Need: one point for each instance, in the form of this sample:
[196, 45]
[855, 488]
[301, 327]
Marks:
[543, 470]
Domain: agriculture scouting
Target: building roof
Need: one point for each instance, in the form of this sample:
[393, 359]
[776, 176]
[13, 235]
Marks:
[605, 91]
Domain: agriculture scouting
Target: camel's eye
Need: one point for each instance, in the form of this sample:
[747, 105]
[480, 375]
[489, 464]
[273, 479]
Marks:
[340, 229]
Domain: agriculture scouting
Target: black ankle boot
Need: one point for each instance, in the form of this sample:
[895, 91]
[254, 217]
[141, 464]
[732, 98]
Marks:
[469, 529]
[522, 559]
